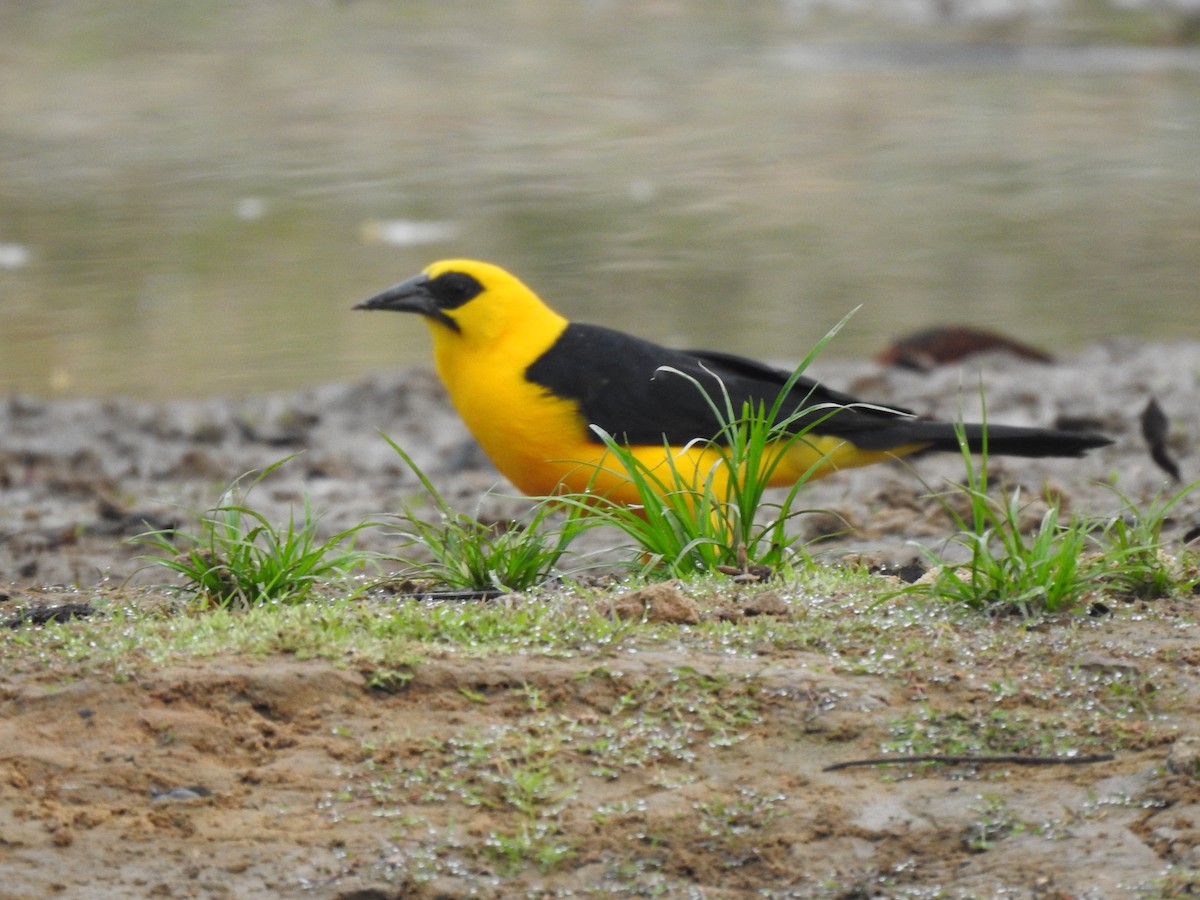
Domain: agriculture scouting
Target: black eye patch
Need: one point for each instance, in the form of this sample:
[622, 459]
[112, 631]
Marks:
[451, 290]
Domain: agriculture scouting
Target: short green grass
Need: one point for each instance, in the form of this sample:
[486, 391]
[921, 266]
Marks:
[683, 528]
[1007, 569]
[1133, 558]
[458, 551]
[236, 556]
[1059, 564]
[996, 821]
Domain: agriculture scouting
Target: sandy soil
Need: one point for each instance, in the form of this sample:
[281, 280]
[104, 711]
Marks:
[275, 777]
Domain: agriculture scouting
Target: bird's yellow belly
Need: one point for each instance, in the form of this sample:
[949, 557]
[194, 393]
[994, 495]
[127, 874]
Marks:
[544, 448]
[701, 466]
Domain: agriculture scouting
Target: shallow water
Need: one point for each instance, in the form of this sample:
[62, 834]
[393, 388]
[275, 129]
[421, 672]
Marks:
[191, 198]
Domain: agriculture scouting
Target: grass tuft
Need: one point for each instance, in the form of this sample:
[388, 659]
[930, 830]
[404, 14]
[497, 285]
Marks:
[688, 523]
[1046, 571]
[467, 554]
[237, 557]
[1135, 562]
[1058, 564]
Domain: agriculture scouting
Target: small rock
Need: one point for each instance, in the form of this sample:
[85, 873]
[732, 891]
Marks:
[1184, 756]
[768, 603]
[658, 603]
[368, 892]
[193, 792]
[1108, 665]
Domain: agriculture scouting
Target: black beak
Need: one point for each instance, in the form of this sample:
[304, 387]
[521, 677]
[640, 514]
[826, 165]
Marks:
[408, 296]
[414, 296]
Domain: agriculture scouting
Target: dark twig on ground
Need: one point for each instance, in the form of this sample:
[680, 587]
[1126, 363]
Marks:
[1009, 759]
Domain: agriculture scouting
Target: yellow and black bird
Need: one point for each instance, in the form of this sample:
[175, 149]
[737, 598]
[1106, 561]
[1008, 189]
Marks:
[529, 384]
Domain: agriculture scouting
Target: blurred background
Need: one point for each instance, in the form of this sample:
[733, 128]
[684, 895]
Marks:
[193, 195]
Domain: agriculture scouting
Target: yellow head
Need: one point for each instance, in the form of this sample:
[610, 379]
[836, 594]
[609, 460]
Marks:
[488, 328]
[468, 304]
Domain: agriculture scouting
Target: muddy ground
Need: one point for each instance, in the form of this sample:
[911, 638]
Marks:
[252, 777]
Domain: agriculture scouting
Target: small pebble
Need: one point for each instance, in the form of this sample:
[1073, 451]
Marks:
[194, 792]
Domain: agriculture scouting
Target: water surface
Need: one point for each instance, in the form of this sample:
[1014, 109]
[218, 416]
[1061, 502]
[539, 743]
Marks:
[193, 196]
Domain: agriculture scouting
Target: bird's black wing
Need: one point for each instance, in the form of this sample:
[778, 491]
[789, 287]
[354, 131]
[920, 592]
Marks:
[641, 392]
[633, 390]
[731, 366]
[872, 427]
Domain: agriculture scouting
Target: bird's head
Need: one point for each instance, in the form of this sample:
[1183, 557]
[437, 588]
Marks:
[465, 301]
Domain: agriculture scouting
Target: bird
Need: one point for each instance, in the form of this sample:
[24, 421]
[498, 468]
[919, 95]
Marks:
[540, 394]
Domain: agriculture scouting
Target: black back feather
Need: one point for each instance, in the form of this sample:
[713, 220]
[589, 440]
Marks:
[619, 384]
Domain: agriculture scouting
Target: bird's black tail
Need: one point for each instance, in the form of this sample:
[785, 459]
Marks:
[1001, 439]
